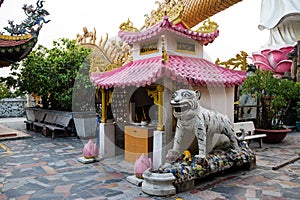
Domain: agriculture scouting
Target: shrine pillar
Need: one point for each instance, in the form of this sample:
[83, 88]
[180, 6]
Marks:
[158, 134]
[160, 125]
[163, 134]
[106, 131]
[103, 106]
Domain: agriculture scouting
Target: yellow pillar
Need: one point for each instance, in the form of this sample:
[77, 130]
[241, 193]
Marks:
[103, 106]
[160, 125]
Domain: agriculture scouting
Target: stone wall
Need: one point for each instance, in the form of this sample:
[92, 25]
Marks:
[13, 107]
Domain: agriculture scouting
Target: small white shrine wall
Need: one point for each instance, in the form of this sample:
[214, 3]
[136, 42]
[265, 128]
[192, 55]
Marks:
[174, 45]
[191, 48]
[219, 99]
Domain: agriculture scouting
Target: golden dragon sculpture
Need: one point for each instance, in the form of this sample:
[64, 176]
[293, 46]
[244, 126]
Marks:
[190, 12]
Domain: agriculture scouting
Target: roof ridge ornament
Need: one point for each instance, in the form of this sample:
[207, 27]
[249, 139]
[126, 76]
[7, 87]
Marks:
[164, 54]
[171, 8]
[208, 26]
[237, 63]
[107, 54]
[32, 24]
[128, 26]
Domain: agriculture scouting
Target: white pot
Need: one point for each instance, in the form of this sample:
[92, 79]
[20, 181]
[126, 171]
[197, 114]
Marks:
[158, 184]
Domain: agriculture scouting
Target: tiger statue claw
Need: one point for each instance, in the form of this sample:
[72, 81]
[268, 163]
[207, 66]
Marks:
[172, 155]
[191, 117]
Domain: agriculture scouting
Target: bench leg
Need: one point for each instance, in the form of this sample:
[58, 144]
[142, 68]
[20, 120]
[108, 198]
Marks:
[44, 131]
[28, 126]
[260, 142]
[66, 133]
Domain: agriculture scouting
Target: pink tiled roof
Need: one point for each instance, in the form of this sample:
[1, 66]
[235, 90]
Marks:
[196, 71]
[165, 24]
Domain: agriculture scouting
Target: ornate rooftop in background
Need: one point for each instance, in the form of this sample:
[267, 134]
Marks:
[178, 16]
[167, 44]
[19, 39]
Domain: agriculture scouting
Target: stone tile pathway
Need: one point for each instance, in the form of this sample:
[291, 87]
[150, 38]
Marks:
[45, 168]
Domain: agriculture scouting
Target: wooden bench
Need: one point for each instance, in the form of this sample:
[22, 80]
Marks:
[49, 119]
[249, 129]
[61, 124]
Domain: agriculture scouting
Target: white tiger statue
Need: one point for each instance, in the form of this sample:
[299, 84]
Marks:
[191, 117]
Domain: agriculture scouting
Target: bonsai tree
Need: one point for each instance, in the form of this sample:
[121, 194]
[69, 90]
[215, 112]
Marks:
[274, 97]
[50, 73]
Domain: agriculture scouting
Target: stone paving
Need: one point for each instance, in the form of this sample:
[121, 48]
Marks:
[43, 168]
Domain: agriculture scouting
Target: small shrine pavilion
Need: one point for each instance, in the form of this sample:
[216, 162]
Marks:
[166, 55]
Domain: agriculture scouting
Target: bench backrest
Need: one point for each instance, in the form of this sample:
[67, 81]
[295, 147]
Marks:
[50, 118]
[247, 126]
[39, 116]
[63, 121]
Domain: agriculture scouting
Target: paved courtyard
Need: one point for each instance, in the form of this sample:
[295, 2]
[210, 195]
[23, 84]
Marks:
[43, 168]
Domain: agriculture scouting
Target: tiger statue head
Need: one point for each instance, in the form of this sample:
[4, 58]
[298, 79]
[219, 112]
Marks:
[185, 103]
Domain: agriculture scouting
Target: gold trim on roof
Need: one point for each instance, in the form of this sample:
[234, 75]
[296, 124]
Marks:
[171, 8]
[128, 26]
[86, 34]
[208, 27]
[20, 37]
[107, 54]
[164, 54]
[239, 62]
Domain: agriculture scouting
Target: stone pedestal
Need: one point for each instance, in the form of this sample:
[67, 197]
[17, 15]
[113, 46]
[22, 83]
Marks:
[107, 147]
[158, 184]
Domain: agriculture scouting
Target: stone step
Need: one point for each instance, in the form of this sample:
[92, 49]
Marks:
[2, 135]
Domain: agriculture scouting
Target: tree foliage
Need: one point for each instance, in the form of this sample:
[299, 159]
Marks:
[274, 96]
[4, 91]
[50, 73]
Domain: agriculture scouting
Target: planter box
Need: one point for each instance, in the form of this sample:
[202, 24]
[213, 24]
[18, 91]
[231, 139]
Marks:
[85, 124]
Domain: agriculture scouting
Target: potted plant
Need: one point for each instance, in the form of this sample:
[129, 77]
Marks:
[274, 98]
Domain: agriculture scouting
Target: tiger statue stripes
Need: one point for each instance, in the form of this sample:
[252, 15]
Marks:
[193, 118]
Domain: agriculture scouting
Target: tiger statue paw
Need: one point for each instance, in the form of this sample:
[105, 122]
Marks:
[172, 156]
